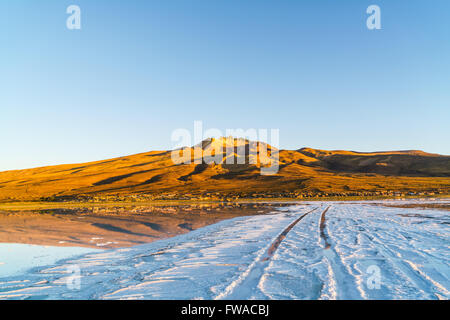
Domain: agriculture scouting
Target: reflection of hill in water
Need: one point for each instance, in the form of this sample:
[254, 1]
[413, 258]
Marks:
[114, 226]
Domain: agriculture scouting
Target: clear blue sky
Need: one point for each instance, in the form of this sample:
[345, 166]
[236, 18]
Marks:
[137, 70]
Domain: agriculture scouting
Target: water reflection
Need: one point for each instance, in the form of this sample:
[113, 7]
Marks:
[115, 226]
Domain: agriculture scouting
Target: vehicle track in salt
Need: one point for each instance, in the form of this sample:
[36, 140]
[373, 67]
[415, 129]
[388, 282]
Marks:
[247, 283]
[323, 234]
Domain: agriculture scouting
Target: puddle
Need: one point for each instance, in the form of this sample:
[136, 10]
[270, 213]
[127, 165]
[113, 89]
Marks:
[16, 259]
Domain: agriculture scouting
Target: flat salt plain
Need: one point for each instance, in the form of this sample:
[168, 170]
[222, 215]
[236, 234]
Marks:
[355, 250]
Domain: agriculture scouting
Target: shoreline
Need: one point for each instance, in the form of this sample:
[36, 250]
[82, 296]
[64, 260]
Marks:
[36, 205]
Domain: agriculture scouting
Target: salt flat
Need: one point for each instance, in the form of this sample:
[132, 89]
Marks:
[359, 250]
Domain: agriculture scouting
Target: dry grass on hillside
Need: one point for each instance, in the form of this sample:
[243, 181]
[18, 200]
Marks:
[303, 171]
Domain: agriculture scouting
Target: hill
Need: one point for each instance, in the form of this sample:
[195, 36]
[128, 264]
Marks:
[301, 173]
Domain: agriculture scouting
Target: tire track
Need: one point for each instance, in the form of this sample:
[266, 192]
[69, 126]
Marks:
[323, 225]
[426, 286]
[282, 236]
[247, 283]
[343, 283]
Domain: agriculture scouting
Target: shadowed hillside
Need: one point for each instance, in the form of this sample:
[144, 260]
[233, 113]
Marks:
[302, 173]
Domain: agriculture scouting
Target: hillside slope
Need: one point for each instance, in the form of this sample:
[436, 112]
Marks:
[302, 173]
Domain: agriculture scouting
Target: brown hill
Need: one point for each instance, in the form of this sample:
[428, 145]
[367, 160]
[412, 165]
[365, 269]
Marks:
[304, 172]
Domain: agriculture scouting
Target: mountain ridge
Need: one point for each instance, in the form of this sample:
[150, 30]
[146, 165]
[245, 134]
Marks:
[305, 172]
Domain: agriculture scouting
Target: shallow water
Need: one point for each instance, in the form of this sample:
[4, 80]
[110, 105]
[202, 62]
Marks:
[17, 258]
[108, 227]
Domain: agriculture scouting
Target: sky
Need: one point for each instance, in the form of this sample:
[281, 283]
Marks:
[137, 70]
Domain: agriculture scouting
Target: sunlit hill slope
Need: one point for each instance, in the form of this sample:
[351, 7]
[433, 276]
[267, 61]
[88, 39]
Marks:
[302, 173]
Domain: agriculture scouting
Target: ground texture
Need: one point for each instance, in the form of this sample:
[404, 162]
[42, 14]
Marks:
[320, 250]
